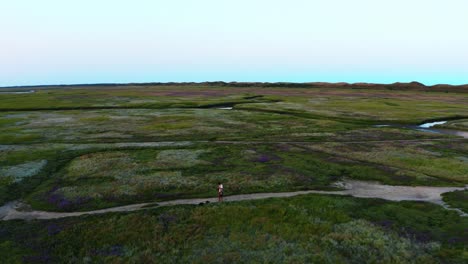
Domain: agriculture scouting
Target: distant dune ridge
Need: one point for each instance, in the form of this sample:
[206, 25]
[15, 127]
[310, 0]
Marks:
[361, 85]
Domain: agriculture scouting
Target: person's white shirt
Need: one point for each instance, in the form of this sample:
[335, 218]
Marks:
[220, 187]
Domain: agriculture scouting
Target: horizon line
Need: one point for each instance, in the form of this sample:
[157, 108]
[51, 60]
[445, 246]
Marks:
[227, 83]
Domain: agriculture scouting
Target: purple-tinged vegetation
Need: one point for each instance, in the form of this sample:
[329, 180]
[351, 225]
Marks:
[115, 250]
[53, 229]
[63, 203]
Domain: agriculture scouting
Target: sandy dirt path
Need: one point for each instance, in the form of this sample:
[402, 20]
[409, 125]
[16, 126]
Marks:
[18, 210]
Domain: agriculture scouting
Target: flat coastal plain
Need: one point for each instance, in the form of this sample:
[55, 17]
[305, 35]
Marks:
[317, 173]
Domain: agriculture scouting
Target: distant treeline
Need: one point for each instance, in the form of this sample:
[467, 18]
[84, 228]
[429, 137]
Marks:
[394, 86]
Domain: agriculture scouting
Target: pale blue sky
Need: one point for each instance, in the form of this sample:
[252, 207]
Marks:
[99, 41]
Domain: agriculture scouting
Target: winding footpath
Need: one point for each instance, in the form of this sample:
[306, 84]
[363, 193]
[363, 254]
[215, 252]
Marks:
[361, 189]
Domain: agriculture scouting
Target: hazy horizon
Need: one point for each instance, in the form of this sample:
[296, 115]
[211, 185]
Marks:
[231, 82]
[54, 42]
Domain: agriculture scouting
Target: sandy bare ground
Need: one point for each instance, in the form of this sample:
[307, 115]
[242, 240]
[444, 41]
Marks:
[18, 210]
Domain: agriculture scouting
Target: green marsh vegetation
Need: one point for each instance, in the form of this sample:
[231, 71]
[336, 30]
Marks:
[110, 178]
[458, 199]
[82, 148]
[461, 124]
[312, 229]
[93, 176]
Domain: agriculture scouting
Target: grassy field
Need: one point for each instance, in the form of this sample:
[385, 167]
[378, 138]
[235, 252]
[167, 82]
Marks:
[306, 229]
[103, 179]
[458, 199]
[69, 177]
[461, 124]
[85, 148]
[336, 103]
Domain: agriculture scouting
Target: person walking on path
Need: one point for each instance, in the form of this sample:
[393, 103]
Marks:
[220, 192]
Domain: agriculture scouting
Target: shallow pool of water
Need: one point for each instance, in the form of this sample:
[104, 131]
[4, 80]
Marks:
[432, 124]
[17, 92]
[428, 127]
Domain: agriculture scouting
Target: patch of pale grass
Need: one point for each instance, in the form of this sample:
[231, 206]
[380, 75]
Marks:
[357, 237]
[102, 164]
[179, 158]
[21, 171]
[134, 185]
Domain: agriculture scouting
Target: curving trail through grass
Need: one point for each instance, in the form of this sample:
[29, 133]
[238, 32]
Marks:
[360, 189]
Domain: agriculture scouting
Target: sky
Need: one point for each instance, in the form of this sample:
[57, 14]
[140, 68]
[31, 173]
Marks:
[117, 41]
